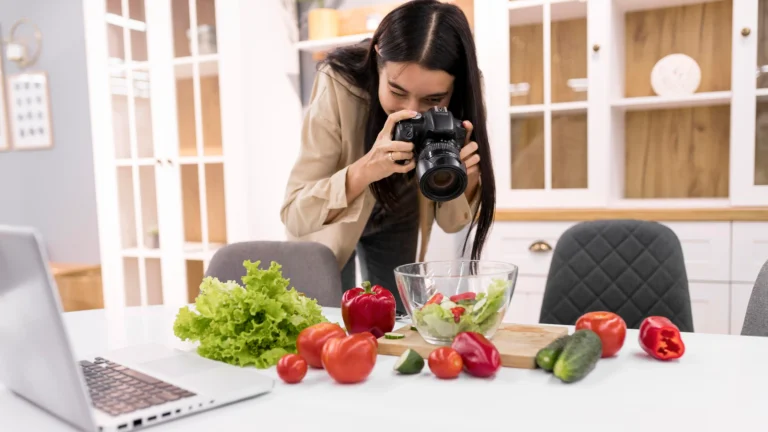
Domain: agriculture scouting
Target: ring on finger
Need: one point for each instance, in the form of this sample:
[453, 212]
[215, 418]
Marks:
[391, 157]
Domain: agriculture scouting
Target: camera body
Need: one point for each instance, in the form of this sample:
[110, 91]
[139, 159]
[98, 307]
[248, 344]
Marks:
[437, 138]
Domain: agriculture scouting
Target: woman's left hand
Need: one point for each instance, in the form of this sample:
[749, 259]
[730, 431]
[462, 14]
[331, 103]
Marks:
[472, 161]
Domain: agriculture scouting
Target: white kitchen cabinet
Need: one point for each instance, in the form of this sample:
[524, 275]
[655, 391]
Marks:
[528, 245]
[740, 294]
[525, 307]
[706, 249]
[171, 101]
[581, 113]
[750, 250]
[710, 305]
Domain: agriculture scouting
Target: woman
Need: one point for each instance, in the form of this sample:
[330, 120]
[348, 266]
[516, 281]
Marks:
[352, 187]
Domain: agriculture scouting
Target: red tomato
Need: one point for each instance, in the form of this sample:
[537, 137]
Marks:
[349, 359]
[310, 341]
[610, 327]
[445, 362]
[370, 336]
[291, 368]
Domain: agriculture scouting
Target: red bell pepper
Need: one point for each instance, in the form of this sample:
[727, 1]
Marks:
[480, 356]
[368, 309]
[457, 312]
[660, 338]
[463, 296]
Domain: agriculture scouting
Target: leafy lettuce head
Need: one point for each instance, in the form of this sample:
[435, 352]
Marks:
[253, 324]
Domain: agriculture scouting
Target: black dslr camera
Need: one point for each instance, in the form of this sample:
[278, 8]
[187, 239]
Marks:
[437, 139]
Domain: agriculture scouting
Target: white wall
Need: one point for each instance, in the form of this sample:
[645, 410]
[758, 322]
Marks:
[53, 190]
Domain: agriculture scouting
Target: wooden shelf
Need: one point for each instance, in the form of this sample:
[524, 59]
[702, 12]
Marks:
[667, 102]
[658, 214]
[638, 5]
[323, 45]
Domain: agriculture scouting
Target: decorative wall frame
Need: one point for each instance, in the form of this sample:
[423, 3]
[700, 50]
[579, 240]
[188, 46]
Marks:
[30, 111]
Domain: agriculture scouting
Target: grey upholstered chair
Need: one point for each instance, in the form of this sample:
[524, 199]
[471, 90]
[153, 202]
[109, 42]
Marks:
[756, 320]
[310, 266]
[632, 268]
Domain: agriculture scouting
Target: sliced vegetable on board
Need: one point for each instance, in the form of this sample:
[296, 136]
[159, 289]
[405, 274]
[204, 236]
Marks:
[349, 359]
[445, 363]
[291, 368]
[610, 327]
[660, 338]
[311, 340]
[580, 355]
[370, 308]
[480, 356]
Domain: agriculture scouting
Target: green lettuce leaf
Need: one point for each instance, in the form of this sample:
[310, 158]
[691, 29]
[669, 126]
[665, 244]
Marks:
[253, 324]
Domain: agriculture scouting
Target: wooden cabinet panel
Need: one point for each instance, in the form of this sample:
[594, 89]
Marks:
[677, 153]
[701, 31]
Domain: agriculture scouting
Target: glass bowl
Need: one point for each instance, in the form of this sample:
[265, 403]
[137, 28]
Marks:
[444, 298]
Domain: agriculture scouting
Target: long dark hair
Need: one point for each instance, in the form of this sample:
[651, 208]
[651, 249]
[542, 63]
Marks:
[436, 36]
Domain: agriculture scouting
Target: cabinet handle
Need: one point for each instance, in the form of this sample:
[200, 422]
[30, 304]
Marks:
[158, 162]
[745, 31]
[596, 47]
[170, 162]
[540, 246]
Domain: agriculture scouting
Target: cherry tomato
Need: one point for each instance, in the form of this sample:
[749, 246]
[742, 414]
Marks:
[291, 368]
[445, 363]
[310, 341]
[349, 359]
[610, 327]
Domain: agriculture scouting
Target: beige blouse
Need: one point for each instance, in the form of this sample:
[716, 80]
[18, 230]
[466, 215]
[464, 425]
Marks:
[332, 138]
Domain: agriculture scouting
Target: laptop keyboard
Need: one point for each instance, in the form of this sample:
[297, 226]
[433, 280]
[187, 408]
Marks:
[116, 389]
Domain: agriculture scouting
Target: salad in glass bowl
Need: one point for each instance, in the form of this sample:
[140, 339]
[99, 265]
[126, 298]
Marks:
[445, 298]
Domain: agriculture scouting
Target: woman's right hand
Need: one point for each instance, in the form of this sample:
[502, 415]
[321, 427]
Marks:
[380, 161]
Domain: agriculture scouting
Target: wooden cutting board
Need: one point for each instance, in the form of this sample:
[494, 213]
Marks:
[517, 344]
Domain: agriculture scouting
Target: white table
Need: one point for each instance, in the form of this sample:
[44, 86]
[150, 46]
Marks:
[720, 384]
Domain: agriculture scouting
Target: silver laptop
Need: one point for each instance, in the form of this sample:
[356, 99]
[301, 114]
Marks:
[122, 390]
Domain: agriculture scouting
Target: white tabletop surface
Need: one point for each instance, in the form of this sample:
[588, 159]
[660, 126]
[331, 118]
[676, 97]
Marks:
[721, 384]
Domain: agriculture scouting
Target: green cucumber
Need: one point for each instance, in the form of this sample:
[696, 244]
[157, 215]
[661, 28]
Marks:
[410, 362]
[413, 328]
[579, 356]
[547, 356]
[391, 335]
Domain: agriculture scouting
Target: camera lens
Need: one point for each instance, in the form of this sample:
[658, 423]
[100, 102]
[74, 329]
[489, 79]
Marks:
[440, 180]
[442, 175]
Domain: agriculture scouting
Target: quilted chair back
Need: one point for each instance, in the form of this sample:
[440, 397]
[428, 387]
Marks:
[632, 268]
[311, 267]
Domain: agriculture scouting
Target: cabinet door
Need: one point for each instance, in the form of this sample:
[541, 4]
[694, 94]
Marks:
[535, 62]
[710, 307]
[525, 306]
[750, 250]
[740, 294]
[528, 245]
[185, 65]
[706, 247]
[749, 116]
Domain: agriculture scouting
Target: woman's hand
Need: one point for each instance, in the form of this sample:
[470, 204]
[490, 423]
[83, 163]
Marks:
[380, 161]
[472, 161]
